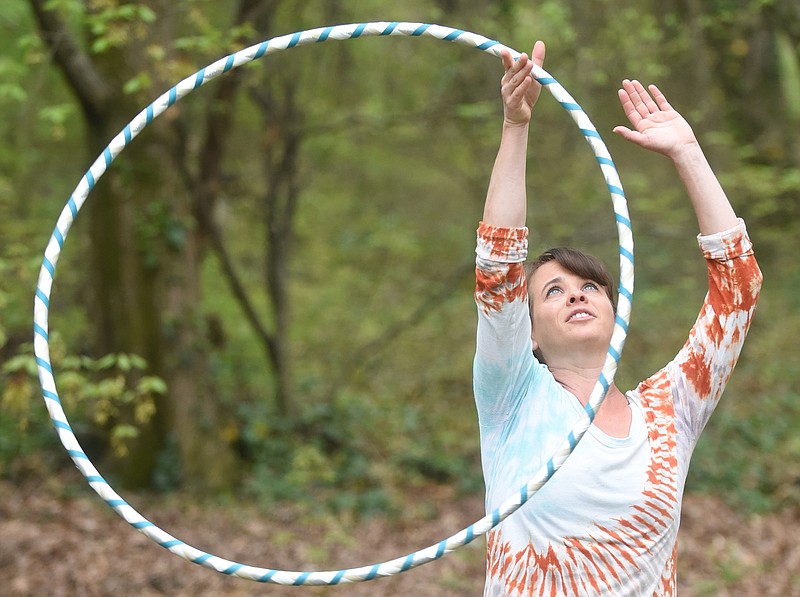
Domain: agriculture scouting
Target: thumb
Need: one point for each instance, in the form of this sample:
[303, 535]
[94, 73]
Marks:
[626, 133]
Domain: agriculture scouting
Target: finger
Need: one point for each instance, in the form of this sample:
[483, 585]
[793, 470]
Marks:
[505, 56]
[518, 93]
[628, 134]
[514, 93]
[661, 100]
[538, 52]
[647, 100]
[628, 108]
[518, 64]
[635, 97]
[622, 130]
[520, 71]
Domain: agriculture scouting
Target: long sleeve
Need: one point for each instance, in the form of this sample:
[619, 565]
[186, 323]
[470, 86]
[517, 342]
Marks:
[503, 354]
[699, 373]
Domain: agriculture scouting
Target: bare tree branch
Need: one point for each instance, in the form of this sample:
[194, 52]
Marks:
[239, 292]
[90, 88]
[371, 351]
[205, 184]
[280, 202]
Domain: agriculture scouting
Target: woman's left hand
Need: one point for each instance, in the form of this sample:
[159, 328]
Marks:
[657, 126]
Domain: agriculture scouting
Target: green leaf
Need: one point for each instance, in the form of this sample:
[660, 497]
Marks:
[123, 362]
[151, 385]
[137, 362]
[106, 362]
[141, 82]
[123, 431]
[146, 14]
[23, 362]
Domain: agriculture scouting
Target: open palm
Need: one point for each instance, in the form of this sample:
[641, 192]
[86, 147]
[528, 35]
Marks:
[657, 126]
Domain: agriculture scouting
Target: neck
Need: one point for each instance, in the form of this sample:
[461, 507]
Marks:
[614, 415]
[581, 381]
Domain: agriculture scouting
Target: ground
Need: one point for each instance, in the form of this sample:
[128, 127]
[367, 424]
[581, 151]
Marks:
[57, 538]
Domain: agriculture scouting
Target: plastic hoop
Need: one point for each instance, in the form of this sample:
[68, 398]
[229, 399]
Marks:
[183, 88]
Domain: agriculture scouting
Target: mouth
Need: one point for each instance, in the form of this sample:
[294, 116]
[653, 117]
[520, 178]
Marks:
[580, 315]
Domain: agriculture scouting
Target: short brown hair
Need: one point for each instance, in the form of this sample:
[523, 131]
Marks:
[579, 263]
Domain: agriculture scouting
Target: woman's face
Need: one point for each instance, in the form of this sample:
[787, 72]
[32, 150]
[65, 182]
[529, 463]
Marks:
[570, 315]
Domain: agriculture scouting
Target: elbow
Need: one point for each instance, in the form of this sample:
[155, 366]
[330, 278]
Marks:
[748, 279]
[756, 281]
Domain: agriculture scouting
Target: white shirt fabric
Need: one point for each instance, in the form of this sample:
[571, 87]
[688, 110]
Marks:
[607, 521]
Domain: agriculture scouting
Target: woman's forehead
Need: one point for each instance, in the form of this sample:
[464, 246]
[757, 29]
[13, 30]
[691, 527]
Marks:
[549, 272]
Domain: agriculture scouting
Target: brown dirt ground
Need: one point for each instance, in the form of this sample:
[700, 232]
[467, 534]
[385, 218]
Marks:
[59, 539]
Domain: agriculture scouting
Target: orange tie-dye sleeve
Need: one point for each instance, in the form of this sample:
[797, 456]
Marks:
[703, 367]
[503, 356]
[500, 278]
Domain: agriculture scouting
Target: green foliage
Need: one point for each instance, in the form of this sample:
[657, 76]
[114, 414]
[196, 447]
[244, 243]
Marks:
[158, 227]
[752, 455]
[355, 455]
[313, 460]
[11, 91]
[210, 40]
[113, 25]
[750, 451]
[399, 137]
[110, 397]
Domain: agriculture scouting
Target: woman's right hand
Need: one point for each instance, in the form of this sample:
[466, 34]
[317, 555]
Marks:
[519, 90]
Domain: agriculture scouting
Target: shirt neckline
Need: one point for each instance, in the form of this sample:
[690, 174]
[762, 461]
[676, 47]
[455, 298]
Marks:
[634, 433]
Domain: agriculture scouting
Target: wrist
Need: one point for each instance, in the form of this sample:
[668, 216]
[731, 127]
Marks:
[687, 153]
[512, 125]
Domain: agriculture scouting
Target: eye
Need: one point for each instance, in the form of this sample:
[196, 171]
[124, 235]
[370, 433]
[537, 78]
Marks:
[553, 290]
[591, 286]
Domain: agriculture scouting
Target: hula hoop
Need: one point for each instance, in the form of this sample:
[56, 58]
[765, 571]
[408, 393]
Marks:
[183, 88]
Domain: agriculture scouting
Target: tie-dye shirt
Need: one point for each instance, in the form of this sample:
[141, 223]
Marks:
[607, 522]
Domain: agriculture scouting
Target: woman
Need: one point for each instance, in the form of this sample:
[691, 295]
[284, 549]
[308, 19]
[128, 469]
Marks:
[607, 522]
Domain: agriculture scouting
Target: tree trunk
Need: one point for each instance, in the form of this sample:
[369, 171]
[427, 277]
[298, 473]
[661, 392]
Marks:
[145, 258]
[283, 139]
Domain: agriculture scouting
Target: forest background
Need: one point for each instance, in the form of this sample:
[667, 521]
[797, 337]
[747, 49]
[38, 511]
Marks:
[268, 297]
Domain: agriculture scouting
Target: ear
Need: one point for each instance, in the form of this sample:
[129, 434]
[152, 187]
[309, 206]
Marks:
[534, 343]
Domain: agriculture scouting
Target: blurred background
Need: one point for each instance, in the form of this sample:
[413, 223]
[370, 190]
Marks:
[265, 307]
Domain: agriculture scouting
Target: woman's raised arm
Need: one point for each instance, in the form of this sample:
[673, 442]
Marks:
[506, 198]
[657, 126]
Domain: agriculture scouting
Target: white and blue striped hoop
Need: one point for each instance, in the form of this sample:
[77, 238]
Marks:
[161, 104]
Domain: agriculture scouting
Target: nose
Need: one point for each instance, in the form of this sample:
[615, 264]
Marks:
[576, 297]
